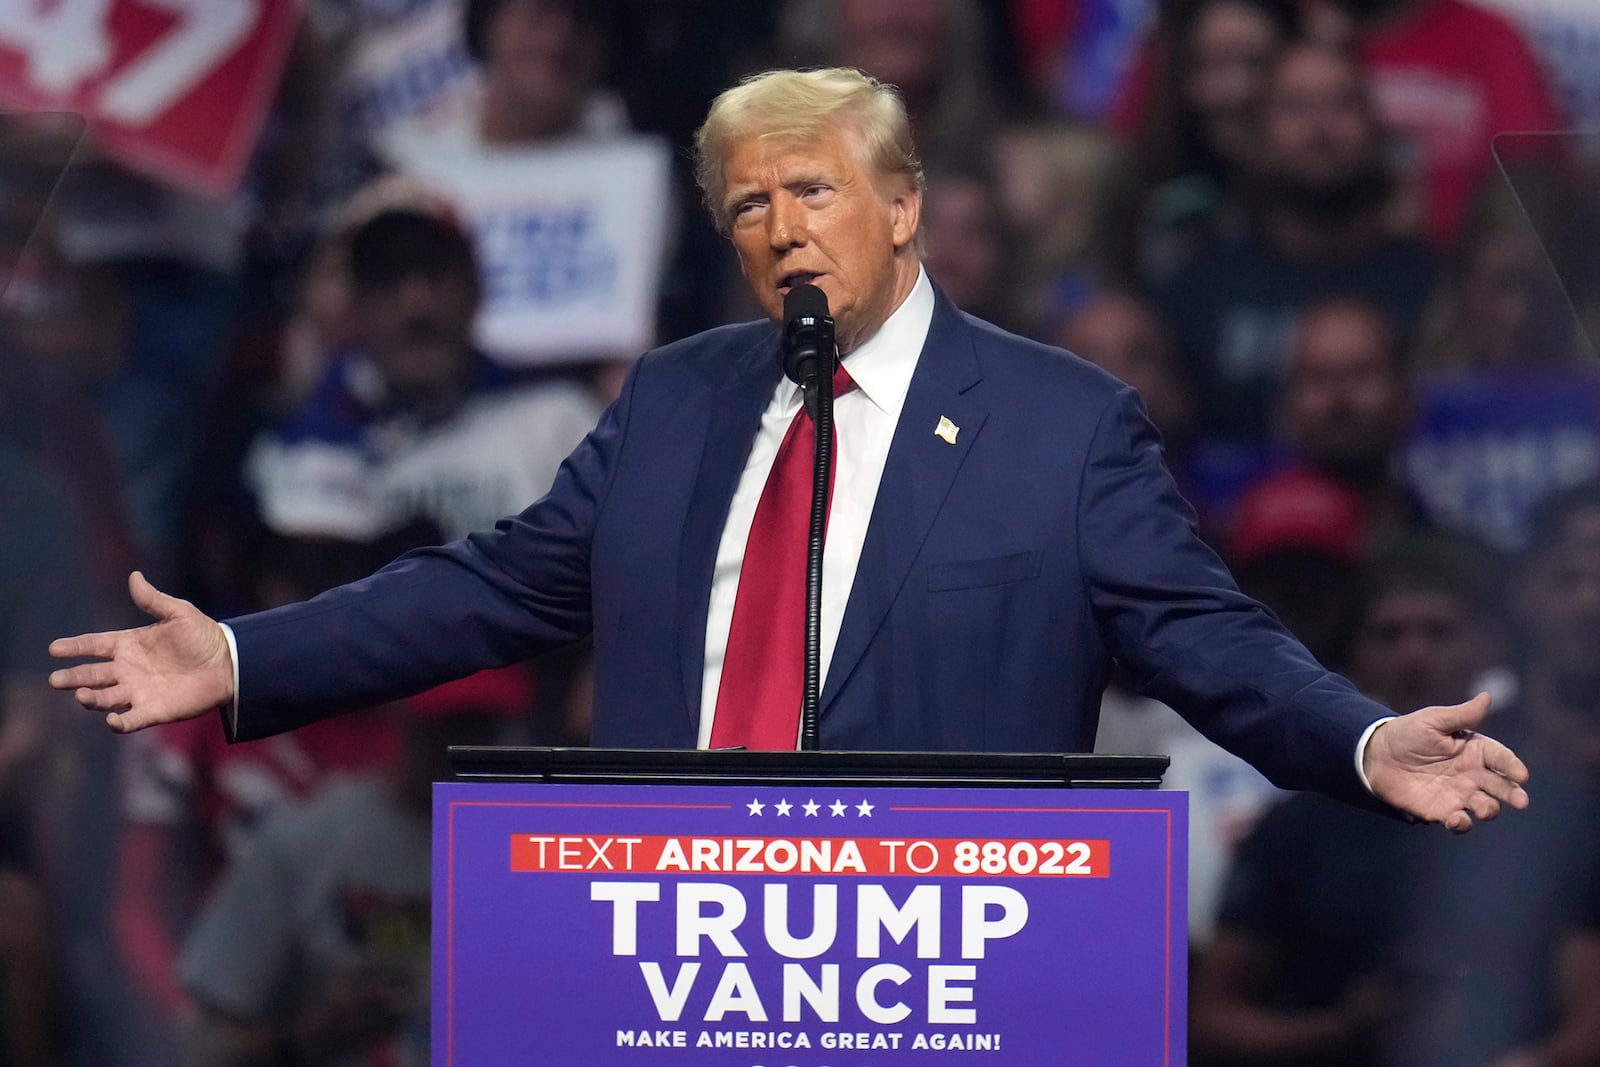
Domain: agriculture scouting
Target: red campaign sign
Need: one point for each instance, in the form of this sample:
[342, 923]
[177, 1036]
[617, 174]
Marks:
[833, 856]
[176, 88]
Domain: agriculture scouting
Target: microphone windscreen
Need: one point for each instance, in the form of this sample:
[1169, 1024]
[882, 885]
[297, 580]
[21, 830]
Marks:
[804, 301]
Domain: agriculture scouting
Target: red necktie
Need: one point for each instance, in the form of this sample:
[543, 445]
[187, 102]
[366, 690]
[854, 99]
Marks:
[763, 672]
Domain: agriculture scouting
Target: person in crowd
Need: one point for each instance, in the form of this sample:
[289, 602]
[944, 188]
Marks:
[557, 190]
[315, 946]
[63, 335]
[1508, 406]
[1304, 969]
[1122, 334]
[935, 52]
[63, 533]
[177, 257]
[1449, 76]
[644, 543]
[413, 423]
[1345, 408]
[374, 65]
[667, 97]
[1056, 184]
[41, 562]
[1319, 192]
[968, 246]
[191, 804]
[1433, 621]
[319, 324]
[1199, 88]
[194, 806]
[1297, 543]
[1510, 966]
[540, 62]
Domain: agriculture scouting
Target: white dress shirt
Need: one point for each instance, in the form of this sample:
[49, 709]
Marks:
[864, 420]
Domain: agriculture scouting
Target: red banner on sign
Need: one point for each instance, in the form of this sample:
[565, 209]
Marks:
[832, 856]
[176, 88]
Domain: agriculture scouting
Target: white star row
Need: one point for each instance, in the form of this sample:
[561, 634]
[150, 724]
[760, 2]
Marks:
[812, 808]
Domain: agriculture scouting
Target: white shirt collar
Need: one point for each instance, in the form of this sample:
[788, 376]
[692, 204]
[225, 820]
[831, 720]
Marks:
[883, 364]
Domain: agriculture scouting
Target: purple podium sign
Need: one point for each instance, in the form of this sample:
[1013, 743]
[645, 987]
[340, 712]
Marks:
[807, 926]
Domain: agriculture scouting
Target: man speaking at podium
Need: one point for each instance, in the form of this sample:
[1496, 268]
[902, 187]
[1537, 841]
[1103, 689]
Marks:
[1001, 528]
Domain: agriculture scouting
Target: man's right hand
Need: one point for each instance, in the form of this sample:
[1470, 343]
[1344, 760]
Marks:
[176, 668]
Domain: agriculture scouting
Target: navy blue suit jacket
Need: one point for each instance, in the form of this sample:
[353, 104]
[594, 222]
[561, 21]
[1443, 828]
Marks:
[1000, 575]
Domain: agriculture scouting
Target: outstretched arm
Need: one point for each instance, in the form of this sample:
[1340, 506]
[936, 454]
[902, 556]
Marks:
[176, 668]
[1434, 765]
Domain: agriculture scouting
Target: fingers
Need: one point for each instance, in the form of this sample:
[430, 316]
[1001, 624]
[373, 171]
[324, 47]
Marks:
[126, 717]
[127, 721]
[1502, 761]
[112, 698]
[1479, 808]
[95, 686]
[1455, 718]
[152, 601]
[1485, 789]
[1483, 807]
[146, 597]
[1504, 789]
[102, 646]
[1484, 802]
[84, 676]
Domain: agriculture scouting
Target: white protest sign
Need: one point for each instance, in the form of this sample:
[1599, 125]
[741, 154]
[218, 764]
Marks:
[571, 240]
[407, 67]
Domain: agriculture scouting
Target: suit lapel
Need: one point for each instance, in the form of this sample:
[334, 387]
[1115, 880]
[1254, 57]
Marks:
[917, 477]
[735, 416]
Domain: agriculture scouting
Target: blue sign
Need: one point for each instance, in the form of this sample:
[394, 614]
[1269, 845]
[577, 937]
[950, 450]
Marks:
[770, 926]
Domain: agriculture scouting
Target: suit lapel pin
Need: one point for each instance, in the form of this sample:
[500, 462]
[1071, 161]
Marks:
[946, 430]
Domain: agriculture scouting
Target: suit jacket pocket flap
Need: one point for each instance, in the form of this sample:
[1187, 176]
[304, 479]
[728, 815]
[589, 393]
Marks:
[974, 573]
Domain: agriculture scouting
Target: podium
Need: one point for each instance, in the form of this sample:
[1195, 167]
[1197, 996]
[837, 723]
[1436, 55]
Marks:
[807, 909]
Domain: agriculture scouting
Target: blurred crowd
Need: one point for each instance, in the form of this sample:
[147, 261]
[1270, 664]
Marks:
[1346, 250]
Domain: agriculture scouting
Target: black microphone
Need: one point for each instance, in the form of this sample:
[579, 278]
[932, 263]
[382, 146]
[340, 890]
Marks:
[809, 358]
[809, 355]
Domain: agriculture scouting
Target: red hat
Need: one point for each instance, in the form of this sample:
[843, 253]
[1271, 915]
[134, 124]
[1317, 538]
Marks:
[1299, 509]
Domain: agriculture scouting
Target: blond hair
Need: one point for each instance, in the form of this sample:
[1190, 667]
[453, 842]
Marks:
[802, 106]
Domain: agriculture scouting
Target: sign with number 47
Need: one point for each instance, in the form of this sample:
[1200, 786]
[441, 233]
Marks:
[177, 88]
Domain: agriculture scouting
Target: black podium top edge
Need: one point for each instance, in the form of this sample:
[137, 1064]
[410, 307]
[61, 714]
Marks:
[738, 767]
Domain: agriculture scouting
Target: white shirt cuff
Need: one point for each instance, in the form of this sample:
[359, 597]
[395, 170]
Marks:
[1361, 745]
[233, 706]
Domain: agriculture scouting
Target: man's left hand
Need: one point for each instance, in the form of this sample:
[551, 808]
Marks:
[1433, 764]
